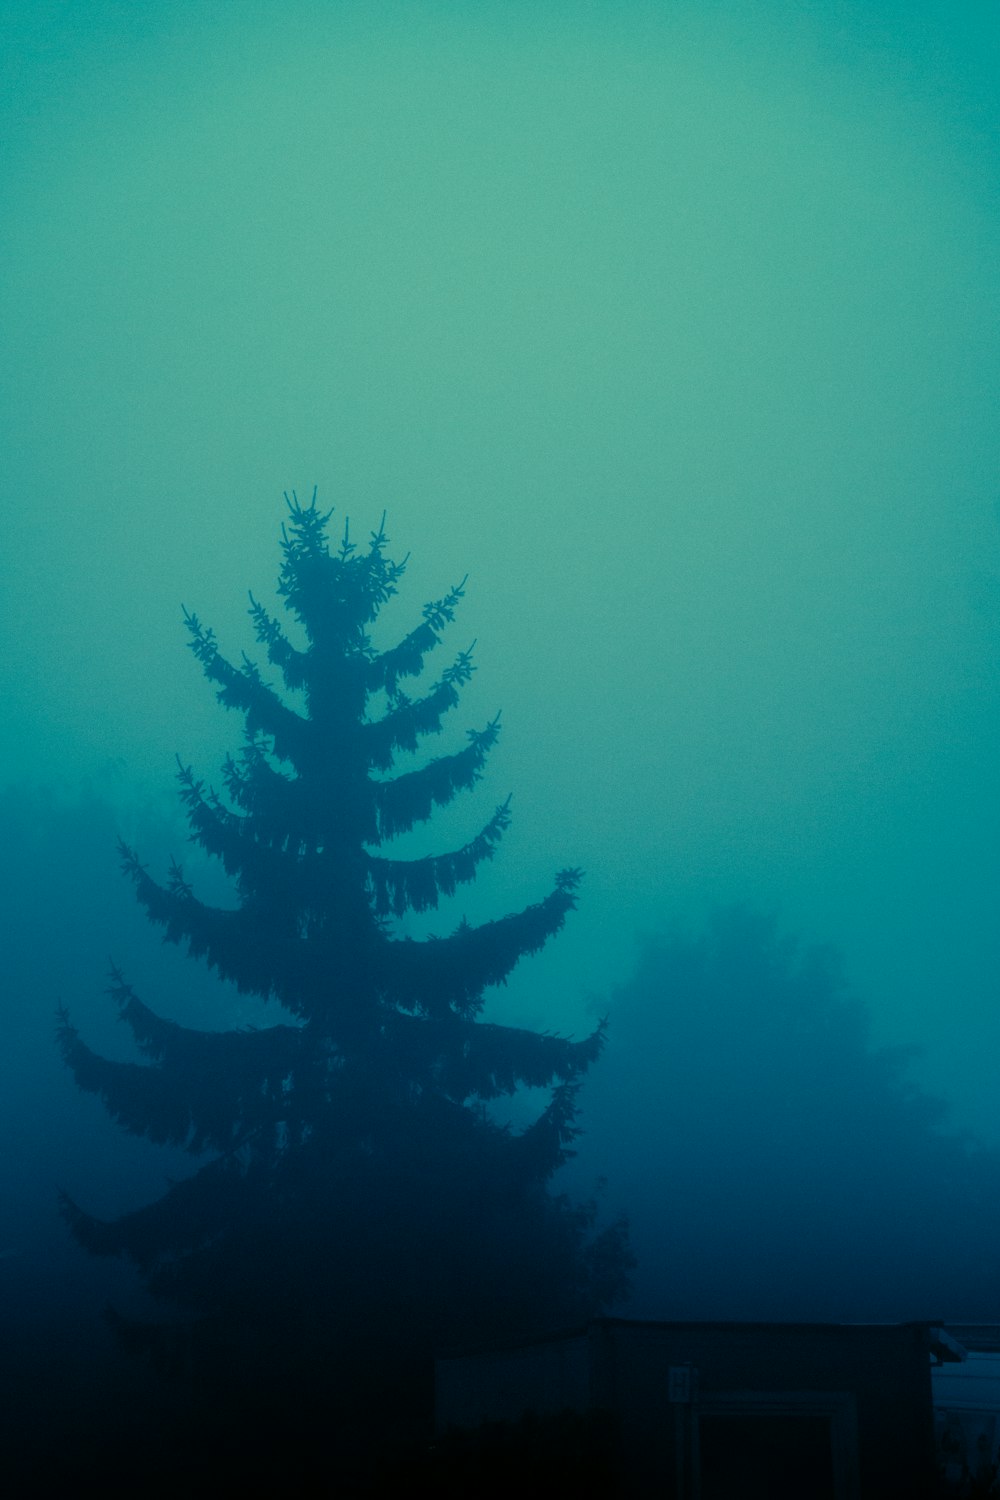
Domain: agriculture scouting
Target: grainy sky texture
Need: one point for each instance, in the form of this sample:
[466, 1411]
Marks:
[674, 325]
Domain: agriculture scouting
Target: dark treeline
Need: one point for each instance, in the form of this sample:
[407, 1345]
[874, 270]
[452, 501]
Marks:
[291, 1165]
[774, 1163]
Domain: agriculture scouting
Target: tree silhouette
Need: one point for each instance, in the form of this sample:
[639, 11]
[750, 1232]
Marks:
[774, 1162]
[358, 1204]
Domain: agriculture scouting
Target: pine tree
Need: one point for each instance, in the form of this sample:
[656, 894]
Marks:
[356, 1192]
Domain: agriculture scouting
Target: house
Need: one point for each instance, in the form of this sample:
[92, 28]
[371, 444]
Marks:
[710, 1411]
[967, 1403]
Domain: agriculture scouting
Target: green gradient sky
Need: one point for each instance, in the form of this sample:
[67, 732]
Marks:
[675, 325]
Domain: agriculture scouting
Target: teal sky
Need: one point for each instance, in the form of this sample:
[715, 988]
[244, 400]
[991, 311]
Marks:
[674, 325]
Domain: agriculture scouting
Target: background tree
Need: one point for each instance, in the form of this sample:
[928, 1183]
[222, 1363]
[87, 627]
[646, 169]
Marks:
[773, 1161]
[358, 1204]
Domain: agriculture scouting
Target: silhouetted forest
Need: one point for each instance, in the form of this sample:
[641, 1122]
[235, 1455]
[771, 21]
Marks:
[774, 1162]
[675, 325]
[302, 1207]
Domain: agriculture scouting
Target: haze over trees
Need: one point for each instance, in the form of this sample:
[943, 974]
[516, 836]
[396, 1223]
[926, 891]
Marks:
[343, 1196]
[357, 1205]
[774, 1162]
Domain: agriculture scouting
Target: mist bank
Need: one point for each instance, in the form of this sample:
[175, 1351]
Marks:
[774, 1160]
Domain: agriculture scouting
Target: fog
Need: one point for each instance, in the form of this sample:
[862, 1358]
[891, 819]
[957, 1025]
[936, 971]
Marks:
[674, 326]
